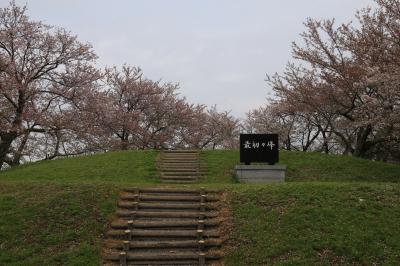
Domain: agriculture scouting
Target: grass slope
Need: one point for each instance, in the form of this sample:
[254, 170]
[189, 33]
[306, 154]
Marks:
[115, 167]
[308, 166]
[316, 224]
[56, 212]
[53, 224]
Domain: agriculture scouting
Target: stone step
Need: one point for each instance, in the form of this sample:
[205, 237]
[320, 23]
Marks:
[127, 224]
[165, 214]
[119, 244]
[155, 197]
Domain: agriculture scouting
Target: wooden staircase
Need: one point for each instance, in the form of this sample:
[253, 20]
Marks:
[181, 166]
[165, 226]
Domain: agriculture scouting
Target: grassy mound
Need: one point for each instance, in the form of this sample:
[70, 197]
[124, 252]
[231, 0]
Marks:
[56, 212]
[309, 166]
[115, 167]
[53, 224]
[316, 224]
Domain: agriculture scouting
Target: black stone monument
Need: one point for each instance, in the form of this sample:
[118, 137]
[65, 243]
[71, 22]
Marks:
[259, 148]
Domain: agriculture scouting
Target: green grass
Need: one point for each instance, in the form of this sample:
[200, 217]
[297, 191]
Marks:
[56, 212]
[308, 166]
[115, 167]
[316, 224]
[54, 224]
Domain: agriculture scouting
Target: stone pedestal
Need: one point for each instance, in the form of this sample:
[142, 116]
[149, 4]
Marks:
[260, 173]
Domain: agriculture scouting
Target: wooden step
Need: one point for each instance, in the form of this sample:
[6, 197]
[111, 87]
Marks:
[152, 197]
[179, 177]
[119, 244]
[137, 256]
[164, 214]
[161, 233]
[181, 151]
[183, 173]
[127, 224]
[181, 190]
[177, 206]
[177, 181]
[165, 226]
[166, 155]
[181, 164]
[186, 158]
[183, 169]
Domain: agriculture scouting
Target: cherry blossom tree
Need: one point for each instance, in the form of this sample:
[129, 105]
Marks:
[42, 70]
[343, 84]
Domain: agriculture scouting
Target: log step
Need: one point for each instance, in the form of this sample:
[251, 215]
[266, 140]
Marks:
[150, 197]
[179, 177]
[182, 154]
[164, 214]
[182, 173]
[115, 244]
[165, 226]
[181, 151]
[184, 169]
[137, 256]
[161, 233]
[174, 181]
[126, 224]
[179, 206]
[164, 190]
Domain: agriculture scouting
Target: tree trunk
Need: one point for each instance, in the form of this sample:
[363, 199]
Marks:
[5, 144]
[361, 142]
[16, 160]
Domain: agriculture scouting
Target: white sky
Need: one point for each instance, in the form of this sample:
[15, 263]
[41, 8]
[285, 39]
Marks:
[218, 50]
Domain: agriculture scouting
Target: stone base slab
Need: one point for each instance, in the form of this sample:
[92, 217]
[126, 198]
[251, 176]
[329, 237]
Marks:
[260, 173]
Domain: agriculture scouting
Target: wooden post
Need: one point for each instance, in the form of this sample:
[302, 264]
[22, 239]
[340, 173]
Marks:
[122, 259]
[130, 224]
[200, 225]
[137, 191]
[202, 215]
[136, 205]
[133, 215]
[125, 246]
[202, 259]
[200, 234]
[202, 191]
[128, 234]
[201, 245]
[203, 198]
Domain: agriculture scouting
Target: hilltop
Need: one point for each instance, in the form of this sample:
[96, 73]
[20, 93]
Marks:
[332, 209]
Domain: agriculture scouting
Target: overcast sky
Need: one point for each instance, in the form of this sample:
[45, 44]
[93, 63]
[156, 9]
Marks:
[218, 50]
